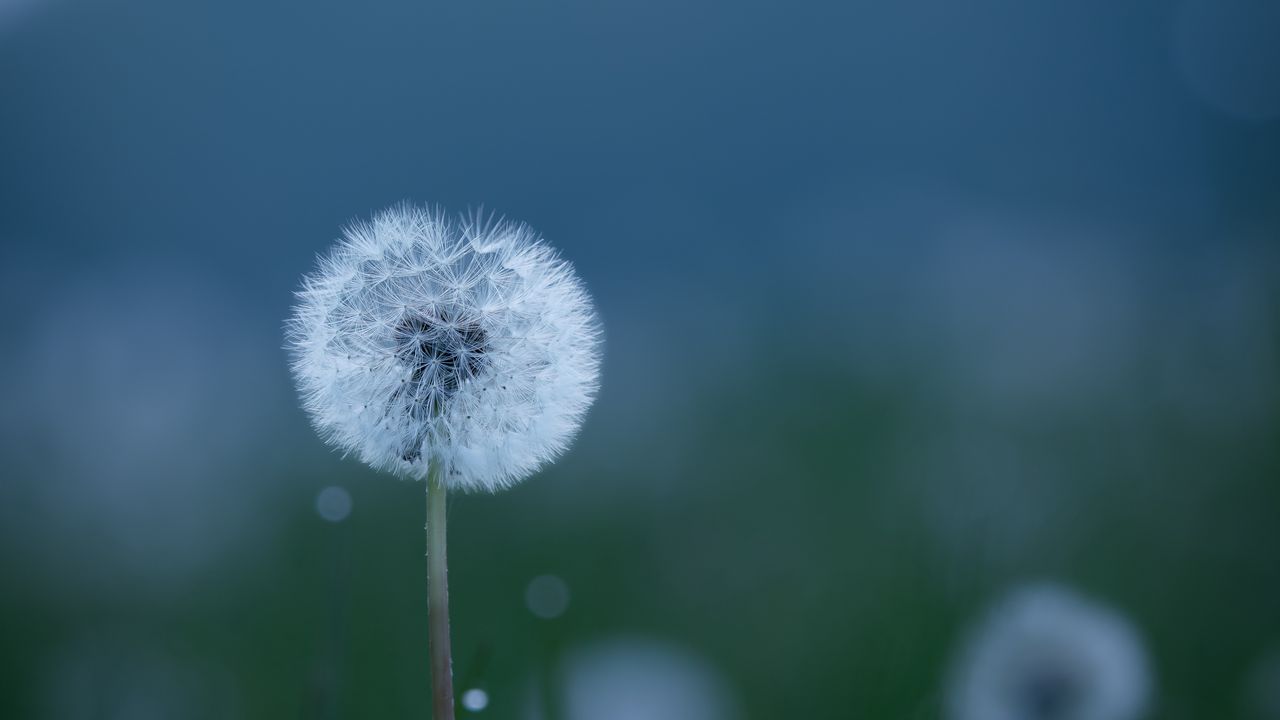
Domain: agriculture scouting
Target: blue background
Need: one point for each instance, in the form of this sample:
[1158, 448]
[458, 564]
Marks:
[906, 303]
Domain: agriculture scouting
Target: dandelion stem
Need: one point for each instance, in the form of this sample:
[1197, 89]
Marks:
[438, 600]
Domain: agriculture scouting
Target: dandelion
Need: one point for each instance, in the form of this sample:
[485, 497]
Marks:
[463, 352]
[638, 678]
[1046, 653]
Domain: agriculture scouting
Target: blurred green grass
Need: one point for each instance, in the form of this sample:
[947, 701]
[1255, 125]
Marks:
[795, 549]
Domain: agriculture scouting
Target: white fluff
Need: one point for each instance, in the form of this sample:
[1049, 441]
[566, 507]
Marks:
[465, 342]
[1045, 653]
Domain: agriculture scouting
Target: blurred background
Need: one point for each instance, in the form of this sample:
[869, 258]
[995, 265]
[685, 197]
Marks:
[906, 304]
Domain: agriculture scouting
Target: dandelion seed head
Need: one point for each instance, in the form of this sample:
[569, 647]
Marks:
[1045, 653]
[464, 342]
[641, 678]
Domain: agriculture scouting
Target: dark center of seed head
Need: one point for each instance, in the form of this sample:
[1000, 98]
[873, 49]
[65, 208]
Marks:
[442, 353]
[1050, 694]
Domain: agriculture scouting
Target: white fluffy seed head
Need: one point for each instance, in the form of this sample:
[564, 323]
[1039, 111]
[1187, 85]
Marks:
[464, 343]
[1045, 653]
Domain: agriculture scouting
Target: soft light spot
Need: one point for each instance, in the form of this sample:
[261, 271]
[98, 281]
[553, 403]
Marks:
[547, 596]
[636, 678]
[475, 699]
[333, 504]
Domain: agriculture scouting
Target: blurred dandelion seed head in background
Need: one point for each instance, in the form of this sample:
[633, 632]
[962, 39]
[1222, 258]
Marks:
[466, 342]
[1046, 653]
[121, 405]
[641, 678]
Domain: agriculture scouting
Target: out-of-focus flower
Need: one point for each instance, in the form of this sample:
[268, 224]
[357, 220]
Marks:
[126, 433]
[1046, 653]
[642, 679]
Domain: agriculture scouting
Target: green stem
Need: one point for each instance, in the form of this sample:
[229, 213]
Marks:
[438, 600]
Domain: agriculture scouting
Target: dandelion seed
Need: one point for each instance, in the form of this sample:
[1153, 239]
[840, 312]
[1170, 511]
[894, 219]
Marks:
[463, 352]
[1047, 654]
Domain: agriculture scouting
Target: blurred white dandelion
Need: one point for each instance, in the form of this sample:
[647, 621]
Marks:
[142, 452]
[1045, 653]
[640, 678]
[468, 343]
